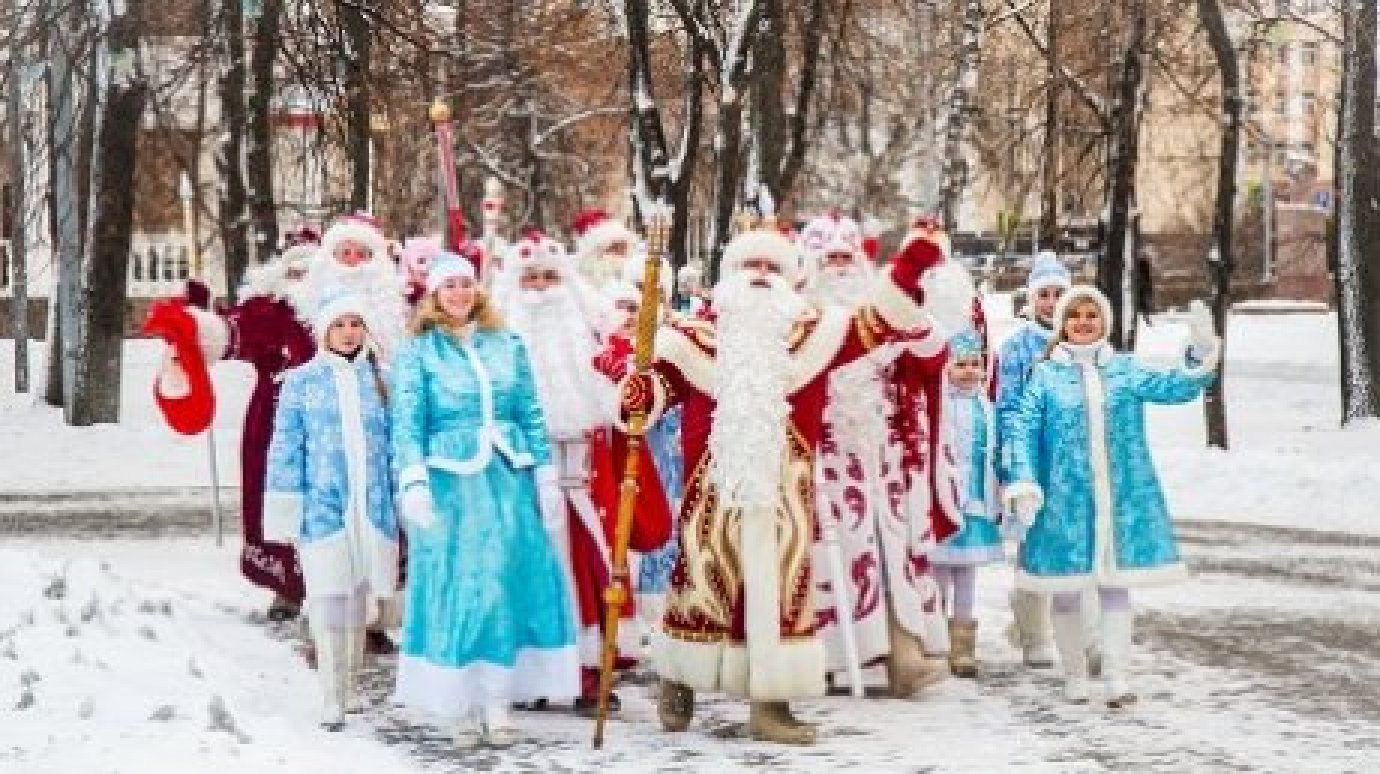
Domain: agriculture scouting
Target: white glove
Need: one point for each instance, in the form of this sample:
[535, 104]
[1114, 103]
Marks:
[416, 507]
[1202, 336]
[1023, 501]
[553, 510]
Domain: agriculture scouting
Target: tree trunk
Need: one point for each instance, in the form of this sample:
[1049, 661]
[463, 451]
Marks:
[229, 161]
[1222, 256]
[768, 86]
[357, 125]
[258, 160]
[19, 216]
[64, 131]
[1049, 152]
[1358, 215]
[955, 174]
[96, 392]
[1111, 270]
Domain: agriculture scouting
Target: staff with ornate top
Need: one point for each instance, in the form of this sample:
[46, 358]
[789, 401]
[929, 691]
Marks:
[616, 595]
[450, 188]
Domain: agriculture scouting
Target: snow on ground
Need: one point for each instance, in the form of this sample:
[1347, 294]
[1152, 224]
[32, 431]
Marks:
[1266, 661]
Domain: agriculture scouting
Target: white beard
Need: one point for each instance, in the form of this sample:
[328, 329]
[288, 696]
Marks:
[847, 288]
[752, 383]
[561, 346]
[382, 289]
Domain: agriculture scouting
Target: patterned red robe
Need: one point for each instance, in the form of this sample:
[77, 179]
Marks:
[740, 614]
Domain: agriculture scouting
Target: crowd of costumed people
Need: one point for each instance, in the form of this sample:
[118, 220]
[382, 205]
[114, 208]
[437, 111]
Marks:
[435, 444]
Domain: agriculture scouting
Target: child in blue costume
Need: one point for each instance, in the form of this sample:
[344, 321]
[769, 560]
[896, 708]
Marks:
[968, 476]
[1084, 484]
[329, 491]
[1047, 281]
[487, 619]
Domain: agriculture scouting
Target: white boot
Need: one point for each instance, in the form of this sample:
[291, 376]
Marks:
[1073, 655]
[332, 667]
[1031, 611]
[1117, 626]
[350, 697]
[1092, 631]
[498, 726]
[469, 732]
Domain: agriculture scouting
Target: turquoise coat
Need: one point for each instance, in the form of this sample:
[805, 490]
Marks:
[487, 619]
[1079, 432]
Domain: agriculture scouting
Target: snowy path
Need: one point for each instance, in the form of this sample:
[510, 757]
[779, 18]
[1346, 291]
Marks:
[1265, 662]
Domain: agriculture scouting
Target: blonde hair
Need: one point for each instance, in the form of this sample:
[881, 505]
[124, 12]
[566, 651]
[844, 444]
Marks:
[1073, 299]
[430, 315]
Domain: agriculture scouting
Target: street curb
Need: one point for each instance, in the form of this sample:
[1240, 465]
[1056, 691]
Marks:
[99, 512]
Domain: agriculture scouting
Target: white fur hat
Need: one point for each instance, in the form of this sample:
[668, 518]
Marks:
[536, 250]
[1080, 293]
[336, 303]
[765, 243]
[832, 233]
[359, 228]
[446, 266]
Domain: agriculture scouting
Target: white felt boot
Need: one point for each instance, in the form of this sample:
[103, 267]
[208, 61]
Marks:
[498, 726]
[1117, 627]
[1032, 625]
[1073, 655]
[332, 669]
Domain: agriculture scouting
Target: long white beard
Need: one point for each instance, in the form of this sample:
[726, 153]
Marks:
[848, 288]
[562, 347]
[381, 288]
[752, 383]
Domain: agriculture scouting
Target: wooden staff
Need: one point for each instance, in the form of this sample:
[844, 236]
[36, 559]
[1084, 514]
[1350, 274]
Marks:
[616, 594]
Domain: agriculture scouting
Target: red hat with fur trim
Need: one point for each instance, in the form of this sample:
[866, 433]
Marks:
[595, 231]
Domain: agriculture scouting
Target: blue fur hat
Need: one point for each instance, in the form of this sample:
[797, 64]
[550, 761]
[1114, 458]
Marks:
[1047, 271]
[967, 343]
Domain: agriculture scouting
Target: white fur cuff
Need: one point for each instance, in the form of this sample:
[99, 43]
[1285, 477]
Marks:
[1020, 491]
[412, 474]
[895, 306]
[949, 296]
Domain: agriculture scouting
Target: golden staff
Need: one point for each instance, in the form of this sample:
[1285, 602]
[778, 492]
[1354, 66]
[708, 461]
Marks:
[616, 594]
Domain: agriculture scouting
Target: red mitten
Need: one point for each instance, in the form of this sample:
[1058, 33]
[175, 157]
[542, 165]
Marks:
[190, 413]
[616, 358]
[924, 248]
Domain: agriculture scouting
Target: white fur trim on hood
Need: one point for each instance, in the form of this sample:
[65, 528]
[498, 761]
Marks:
[1083, 293]
[354, 230]
[598, 238]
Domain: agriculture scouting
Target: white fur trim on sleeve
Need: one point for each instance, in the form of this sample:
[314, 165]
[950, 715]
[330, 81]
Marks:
[896, 307]
[282, 516]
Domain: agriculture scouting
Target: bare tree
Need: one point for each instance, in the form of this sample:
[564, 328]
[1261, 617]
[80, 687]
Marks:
[1222, 254]
[1358, 218]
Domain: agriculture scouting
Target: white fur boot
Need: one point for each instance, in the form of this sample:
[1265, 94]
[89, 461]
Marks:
[332, 668]
[1117, 627]
[498, 726]
[1031, 611]
[1073, 655]
[350, 697]
[469, 732]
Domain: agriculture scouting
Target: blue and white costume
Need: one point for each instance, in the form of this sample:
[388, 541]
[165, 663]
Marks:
[487, 619]
[1085, 486]
[329, 489]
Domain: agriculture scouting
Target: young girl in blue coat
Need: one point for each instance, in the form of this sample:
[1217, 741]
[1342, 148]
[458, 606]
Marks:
[967, 480]
[1084, 483]
[329, 490]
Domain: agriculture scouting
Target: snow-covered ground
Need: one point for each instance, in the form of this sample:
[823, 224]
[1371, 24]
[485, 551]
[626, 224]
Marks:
[1266, 661]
